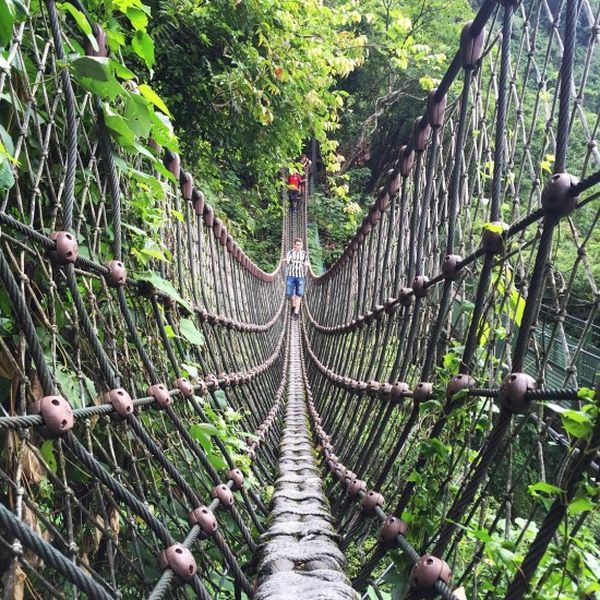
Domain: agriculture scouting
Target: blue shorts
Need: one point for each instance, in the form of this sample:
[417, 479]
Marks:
[295, 286]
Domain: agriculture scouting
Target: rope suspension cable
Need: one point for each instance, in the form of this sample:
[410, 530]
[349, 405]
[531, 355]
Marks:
[263, 353]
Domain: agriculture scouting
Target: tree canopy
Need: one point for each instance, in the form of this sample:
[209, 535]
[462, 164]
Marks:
[250, 83]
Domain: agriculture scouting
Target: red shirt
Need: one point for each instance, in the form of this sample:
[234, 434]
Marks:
[294, 181]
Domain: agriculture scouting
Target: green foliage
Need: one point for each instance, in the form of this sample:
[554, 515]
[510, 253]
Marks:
[262, 81]
[248, 84]
[577, 423]
[7, 179]
[336, 218]
[315, 249]
[409, 46]
[11, 12]
[164, 286]
[189, 331]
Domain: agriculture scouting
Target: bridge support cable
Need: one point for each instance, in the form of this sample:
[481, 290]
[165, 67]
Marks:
[457, 342]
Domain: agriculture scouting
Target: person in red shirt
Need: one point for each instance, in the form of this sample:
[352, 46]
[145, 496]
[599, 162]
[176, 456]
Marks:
[293, 184]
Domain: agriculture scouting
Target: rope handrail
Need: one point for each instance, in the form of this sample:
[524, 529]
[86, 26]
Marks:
[209, 383]
[229, 283]
[93, 267]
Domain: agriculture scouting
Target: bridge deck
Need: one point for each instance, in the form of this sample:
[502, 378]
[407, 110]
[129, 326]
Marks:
[300, 556]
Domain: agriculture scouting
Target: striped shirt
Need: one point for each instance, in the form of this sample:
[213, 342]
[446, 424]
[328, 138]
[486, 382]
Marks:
[296, 260]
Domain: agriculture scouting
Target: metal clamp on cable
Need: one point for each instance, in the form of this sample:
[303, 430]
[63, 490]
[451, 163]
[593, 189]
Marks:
[513, 392]
[67, 249]
[161, 394]
[457, 384]
[556, 196]
[121, 401]
[117, 274]
[370, 502]
[426, 572]
[421, 134]
[205, 519]
[56, 413]
[180, 560]
[223, 493]
[390, 529]
[471, 48]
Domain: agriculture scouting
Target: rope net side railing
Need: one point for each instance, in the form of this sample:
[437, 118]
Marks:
[438, 399]
[143, 353]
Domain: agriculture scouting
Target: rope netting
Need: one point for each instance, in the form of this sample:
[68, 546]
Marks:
[138, 402]
[140, 405]
[427, 353]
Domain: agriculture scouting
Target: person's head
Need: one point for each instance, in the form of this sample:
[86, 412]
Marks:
[298, 244]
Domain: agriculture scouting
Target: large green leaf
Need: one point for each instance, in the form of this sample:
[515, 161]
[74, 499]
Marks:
[119, 126]
[579, 505]
[6, 22]
[95, 75]
[137, 115]
[47, 452]
[7, 147]
[11, 12]
[201, 435]
[154, 98]
[208, 428]
[217, 462]
[162, 133]
[153, 250]
[69, 385]
[189, 331]
[121, 70]
[164, 286]
[191, 369]
[94, 67]
[138, 18]
[543, 487]
[578, 424]
[81, 21]
[220, 398]
[7, 179]
[143, 46]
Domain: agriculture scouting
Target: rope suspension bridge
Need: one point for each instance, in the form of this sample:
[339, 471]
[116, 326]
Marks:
[158, 428]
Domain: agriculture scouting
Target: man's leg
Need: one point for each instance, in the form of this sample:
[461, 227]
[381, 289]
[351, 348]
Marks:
[294, 287]
[299, 293]
[290, 292]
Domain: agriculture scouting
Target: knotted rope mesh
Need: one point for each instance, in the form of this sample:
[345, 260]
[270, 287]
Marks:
[453, 294]
[198, 338]
[437, 361]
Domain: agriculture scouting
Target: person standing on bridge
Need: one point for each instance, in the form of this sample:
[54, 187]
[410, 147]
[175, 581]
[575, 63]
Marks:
[294, 182]
[297, 262]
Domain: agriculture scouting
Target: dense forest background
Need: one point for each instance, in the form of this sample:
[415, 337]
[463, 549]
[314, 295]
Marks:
[251, 83]
[242, 88]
